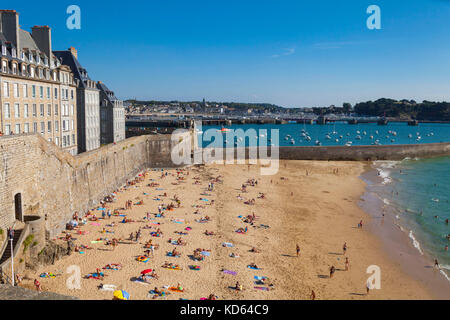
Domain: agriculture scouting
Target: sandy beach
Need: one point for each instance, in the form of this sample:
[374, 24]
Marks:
[309, 203]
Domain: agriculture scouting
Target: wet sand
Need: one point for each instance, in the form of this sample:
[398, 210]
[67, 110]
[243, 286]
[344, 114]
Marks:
[320, 215]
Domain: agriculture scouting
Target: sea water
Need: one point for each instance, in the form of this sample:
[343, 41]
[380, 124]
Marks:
[334, 134]
[417, 193]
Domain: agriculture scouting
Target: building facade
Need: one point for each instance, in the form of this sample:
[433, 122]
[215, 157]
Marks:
[37, 92]
[88, 102]
[112, 116]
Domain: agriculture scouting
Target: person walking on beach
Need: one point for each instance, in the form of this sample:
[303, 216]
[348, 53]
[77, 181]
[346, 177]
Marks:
[298, 250]
[344, 248]
[368, 287]
[347, 263]
[313, 295]
[332, 270]
[37, 285]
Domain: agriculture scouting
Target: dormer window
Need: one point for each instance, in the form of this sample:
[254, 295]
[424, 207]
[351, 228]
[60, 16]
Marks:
[22, 56]
[4, 50]
[46, 61]
[38, 59]
[14, 52]
[30, 57]
[24, 70]
[4, 66]
[14, 68]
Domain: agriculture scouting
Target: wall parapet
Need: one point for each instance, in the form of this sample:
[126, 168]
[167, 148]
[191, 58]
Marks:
[343, 153]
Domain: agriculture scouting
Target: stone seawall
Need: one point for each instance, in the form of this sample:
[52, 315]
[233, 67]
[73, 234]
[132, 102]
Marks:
[54, 184]
[342, 153]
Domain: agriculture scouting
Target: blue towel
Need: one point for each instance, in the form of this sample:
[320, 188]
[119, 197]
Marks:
[253, 268]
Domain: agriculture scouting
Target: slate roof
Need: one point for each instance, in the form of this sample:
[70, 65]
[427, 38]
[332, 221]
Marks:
[110, 94]
[80, 73]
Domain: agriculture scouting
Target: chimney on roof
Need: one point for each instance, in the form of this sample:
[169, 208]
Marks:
[42, 35]
[74, 52]
[9, 20]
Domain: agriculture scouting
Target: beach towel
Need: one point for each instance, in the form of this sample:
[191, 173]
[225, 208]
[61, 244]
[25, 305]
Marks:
[163, 294]
[188, 229]
[250, 267]
[194, 267]
[141, 282]
[173, 268]
[233, 273]
[262, 288]
[108, 287]
[142, 259]
[47, 275]
[96, 241]
[101, 209]
[227, 244]
[169, 254]
[95, 224]
[259, 278]
[173, 289]
[206, 253]
[202, 199]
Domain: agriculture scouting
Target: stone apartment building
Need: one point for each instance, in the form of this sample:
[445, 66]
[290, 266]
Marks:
[112, 116]
[88, 102]
[37, 92]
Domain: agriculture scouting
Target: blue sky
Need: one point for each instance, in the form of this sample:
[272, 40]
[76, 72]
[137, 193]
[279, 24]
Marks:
[289, 52]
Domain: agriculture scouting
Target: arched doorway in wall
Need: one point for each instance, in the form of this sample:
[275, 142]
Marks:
[18, 206]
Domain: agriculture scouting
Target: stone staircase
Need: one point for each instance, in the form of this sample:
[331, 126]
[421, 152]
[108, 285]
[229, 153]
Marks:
[6, 254]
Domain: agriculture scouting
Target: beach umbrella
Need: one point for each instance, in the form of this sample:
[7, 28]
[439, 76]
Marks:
[121, 295]
[146, 271]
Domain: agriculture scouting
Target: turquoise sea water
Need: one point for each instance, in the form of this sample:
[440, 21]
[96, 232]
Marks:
[337, 134]
[417, 193]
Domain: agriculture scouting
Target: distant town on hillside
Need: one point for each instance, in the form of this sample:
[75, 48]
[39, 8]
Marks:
[400, 109]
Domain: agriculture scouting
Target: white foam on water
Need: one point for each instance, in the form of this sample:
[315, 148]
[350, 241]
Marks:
[416, 243]
[444, 274]
[383, 168]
